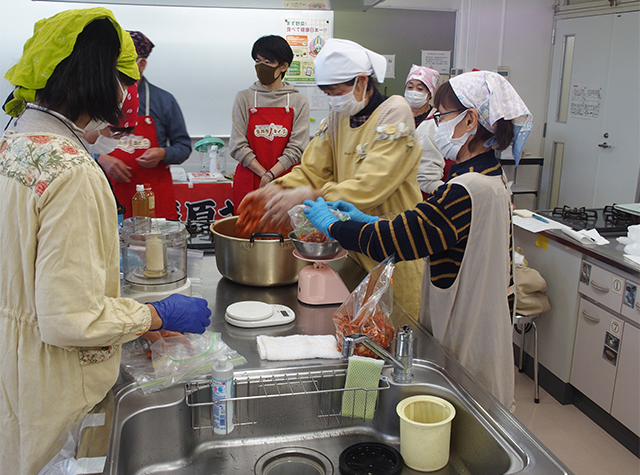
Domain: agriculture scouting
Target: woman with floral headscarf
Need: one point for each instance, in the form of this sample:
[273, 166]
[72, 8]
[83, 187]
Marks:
[463, 229]
[62, 320]
[419, 88]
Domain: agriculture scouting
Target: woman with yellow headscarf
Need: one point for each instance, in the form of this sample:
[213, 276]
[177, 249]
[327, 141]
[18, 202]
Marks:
[62, 320]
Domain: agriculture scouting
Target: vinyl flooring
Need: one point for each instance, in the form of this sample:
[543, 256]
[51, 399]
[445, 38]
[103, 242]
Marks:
[576, 440]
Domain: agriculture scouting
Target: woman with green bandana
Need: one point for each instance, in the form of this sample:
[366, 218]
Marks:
[62, 320]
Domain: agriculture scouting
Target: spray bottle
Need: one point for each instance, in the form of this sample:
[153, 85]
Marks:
[222, 388]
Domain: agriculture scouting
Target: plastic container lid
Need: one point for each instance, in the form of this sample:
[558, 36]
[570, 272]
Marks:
[204, 144]
[370, 458]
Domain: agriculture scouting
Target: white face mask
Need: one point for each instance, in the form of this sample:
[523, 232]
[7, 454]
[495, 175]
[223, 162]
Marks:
[347, 103]
[95, 124]
[449, 147]
[416, 99]
[103, 145]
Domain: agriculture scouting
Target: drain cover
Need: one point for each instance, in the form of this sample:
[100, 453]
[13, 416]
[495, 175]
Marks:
[370, 458]
[293, 461]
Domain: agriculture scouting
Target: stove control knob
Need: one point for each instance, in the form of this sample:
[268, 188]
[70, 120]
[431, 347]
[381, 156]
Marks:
[604, 145]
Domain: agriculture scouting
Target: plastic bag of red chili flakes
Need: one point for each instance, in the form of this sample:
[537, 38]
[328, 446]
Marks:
[304, 230]
[368, 310]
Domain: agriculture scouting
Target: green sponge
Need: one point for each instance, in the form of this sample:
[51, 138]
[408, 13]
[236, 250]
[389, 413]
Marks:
[364, 373]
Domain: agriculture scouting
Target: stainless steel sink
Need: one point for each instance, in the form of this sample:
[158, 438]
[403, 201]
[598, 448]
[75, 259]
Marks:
[159, 434]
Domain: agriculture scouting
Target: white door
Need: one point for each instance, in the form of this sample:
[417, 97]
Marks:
[592, 145]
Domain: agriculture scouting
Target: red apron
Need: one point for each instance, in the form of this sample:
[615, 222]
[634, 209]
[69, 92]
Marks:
[268, 132]
[131, 147]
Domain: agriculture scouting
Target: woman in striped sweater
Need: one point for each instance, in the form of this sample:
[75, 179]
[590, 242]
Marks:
[463, 229]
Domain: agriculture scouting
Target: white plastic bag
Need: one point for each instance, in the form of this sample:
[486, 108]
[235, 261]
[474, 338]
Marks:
[176, 359]
[302, 227]
[631, 240]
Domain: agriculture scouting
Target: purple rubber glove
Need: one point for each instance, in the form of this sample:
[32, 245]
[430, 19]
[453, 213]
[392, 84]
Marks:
[319, 214]
[183, 314]
[353, 212]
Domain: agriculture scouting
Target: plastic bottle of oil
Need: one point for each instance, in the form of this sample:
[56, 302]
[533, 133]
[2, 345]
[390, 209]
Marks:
[140, 202]
[151, 196]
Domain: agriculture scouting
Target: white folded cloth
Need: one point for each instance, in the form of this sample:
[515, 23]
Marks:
[584, 236]
[297, 347]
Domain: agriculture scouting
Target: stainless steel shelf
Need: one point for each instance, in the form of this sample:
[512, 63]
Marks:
[325, 388]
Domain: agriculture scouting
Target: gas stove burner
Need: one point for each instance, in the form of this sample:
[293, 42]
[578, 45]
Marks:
[582, 214]
[618, 217]
[200, 235]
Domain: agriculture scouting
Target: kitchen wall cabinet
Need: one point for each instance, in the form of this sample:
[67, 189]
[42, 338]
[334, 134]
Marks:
[626, 394]
[594, 366]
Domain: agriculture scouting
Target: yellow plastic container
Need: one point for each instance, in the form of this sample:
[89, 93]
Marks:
[425, 431]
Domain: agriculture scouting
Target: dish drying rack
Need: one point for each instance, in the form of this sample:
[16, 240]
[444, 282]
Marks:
[333, 403]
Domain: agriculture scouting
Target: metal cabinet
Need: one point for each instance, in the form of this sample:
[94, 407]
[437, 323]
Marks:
[525, 179]
[596, 353]
[626, 394]
[601, 285]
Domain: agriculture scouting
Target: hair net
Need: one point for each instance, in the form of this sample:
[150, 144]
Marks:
[427, 76]
[340, 61]
[494, 98]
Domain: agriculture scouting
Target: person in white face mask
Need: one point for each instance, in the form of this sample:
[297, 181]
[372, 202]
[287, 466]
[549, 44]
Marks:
[463, 229]
[105, 141]
[364, 152]
[419, 88]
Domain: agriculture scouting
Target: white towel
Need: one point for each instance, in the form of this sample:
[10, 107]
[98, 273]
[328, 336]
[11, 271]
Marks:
[584, 236]
[297, 347]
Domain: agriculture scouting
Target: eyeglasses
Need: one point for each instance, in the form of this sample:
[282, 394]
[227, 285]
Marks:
[436, 115]
[117, 134]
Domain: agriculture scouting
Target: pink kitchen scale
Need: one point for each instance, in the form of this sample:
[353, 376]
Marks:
[319, 284]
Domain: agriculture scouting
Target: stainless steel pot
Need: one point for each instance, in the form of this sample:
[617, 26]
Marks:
[257, 261]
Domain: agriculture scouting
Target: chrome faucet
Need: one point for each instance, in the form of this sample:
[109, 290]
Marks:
[402, 361]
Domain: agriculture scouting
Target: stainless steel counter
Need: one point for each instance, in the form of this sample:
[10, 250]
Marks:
[612, 253]
[221, 292]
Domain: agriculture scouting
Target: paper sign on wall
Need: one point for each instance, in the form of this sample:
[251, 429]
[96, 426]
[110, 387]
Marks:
[391, 66]
[306, 37]
[585, 101]
[438, 60]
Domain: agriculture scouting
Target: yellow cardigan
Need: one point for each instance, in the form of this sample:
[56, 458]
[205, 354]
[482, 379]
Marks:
[374, 167]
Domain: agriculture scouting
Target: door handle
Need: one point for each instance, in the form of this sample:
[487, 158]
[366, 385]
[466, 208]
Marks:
[604, 145]
[599, 287]
[590, 317]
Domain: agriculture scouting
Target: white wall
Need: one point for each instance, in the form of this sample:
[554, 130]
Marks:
[513, 33]
[490, 33]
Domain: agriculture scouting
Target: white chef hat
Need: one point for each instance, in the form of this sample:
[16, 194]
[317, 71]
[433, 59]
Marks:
[340, 61]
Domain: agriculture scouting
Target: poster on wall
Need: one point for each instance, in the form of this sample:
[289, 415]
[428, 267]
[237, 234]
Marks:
[306, 37]
[438, 60]
[585, 101]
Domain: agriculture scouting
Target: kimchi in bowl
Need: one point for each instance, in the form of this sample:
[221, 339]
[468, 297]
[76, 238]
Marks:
[308, 246]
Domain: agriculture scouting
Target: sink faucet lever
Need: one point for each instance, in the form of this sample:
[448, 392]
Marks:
[404, 353]
[401, 362]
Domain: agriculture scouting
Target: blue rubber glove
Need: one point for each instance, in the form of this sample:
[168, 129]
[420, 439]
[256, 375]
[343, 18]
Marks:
[319, 214]
[183, 314]
[353, 212]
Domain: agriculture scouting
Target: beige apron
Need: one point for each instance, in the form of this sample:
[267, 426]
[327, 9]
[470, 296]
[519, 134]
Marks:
[471, 318]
